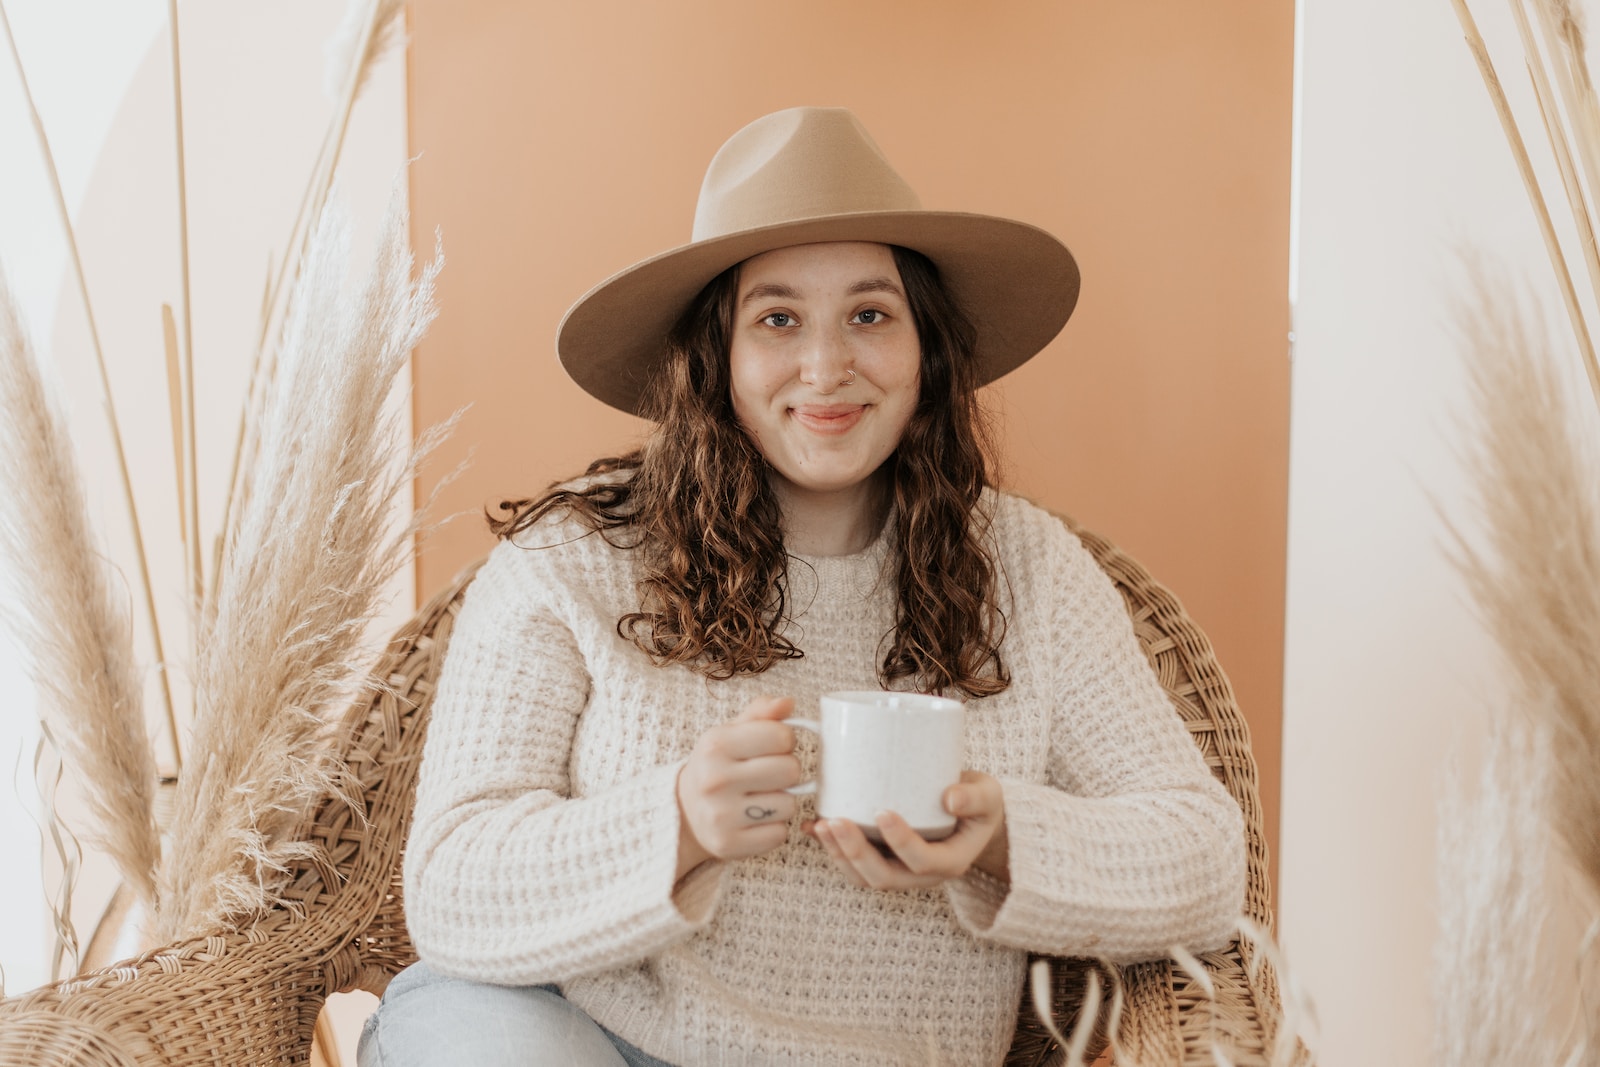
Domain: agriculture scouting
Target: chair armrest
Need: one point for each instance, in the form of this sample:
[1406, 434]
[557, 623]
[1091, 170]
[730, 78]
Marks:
[1169, 1019]
[185, 1005]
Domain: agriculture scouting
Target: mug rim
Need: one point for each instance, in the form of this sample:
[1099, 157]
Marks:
[884, 700]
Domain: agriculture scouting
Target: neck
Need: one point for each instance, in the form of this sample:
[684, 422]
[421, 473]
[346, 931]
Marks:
[837, 523]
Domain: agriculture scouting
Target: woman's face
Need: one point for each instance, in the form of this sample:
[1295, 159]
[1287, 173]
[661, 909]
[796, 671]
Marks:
[805, 318]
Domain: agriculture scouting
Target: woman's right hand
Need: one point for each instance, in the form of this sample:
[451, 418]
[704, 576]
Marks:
[731, 799]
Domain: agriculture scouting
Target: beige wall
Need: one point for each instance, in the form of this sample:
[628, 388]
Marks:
[560, 143]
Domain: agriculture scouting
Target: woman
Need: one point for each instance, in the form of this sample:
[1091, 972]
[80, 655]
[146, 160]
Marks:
[605, 866]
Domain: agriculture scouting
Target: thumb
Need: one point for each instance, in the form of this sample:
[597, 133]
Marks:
[968, 799]
[956, 801]
[773, 708]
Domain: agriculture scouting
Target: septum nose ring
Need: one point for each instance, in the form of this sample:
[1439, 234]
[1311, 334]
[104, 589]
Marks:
[850, 380]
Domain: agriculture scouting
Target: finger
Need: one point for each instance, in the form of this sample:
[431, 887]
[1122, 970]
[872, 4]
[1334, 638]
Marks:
[731, 835]
[749, 739]
[760, 808]
[755, 840]
[977, 797]
[944, 859]
[870, 864]
[764, 774]
[771, 708]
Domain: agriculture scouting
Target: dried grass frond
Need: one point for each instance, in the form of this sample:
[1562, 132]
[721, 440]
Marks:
[342, 57]
[1294, 1028]
[284, 650]
[1042, 989]
[64, 952]
[75, 257]
[1289, 1022]
[1536, 581]
[1492, 983]
[75, 620]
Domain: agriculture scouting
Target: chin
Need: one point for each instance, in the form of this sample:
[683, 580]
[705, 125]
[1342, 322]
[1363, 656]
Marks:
[841, 482]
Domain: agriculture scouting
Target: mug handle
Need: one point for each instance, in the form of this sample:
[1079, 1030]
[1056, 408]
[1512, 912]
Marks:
[805, 788]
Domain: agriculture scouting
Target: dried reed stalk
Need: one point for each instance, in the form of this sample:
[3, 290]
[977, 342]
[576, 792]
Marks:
[1492, 984]
[303, 574]
[76, 623]
[1556, 134]
[1541, 211]
[1562, 26]
[1536, 582]
[189, 468]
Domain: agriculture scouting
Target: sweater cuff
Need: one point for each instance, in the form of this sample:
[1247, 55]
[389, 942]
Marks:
[1122, 878]
[1013, 912]
[689, 902]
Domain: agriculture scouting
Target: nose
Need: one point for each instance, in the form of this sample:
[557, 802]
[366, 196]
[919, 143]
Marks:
[826, 362]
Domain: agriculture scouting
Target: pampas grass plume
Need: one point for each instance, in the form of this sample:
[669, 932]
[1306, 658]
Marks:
[387, 33]
[1537, 580]
[283, 648]
[76, 617]
[1492, 987]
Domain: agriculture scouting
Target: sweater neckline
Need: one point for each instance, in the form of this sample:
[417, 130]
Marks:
[852, 578]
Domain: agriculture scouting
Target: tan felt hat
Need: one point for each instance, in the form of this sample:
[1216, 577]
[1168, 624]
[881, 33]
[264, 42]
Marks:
[802, 176]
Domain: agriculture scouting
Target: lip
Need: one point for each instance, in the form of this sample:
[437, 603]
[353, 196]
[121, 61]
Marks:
[828, 418]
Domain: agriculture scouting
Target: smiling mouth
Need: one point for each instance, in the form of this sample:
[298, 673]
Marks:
[830, 420]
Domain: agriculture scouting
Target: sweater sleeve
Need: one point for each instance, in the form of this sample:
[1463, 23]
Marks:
[508, 878]
[1131, 846]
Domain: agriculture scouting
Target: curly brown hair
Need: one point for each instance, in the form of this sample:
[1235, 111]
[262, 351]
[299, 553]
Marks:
[700, 510]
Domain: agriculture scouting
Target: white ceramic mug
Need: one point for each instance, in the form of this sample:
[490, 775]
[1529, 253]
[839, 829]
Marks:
[884, 751]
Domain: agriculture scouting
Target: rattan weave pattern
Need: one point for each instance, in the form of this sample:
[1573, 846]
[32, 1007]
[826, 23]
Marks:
[250, 996]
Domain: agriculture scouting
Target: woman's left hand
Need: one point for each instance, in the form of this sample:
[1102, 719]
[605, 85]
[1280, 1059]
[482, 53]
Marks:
[979, 841]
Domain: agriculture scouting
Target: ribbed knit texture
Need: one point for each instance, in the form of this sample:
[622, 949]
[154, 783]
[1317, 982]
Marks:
[545, 838]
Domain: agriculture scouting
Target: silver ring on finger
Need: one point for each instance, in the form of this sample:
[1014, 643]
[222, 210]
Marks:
[757, 813]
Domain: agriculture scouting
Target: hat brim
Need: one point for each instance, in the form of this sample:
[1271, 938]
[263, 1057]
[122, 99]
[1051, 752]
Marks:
[1017, 283]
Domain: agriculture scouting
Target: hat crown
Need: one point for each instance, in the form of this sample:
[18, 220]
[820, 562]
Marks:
[801, 163]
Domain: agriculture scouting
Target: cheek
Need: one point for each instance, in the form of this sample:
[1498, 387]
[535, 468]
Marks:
[747, 408]
[910, 393]
[740, 386]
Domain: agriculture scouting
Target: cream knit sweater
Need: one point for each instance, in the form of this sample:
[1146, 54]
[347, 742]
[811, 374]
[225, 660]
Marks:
[545, 840]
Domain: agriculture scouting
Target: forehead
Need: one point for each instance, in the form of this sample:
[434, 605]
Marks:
[834, 264]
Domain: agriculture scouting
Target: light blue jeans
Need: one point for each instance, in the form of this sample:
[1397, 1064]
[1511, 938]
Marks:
[428, 1020]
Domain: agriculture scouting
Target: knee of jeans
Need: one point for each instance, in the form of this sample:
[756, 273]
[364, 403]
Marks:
[367, 1054]
[427, 1018]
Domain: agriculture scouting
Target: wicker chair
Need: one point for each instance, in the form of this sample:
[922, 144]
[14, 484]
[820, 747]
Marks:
[251, 996]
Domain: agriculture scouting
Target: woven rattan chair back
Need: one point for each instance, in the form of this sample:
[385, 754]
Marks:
[251, 996]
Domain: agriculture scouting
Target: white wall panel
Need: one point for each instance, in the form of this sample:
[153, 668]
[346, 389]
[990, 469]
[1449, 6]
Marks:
[1402, 164]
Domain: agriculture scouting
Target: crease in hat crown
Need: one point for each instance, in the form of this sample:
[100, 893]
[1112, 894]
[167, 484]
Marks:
[786, 167]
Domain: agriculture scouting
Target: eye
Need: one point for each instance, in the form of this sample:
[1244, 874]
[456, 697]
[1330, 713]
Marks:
[778, 319]
[870, 316]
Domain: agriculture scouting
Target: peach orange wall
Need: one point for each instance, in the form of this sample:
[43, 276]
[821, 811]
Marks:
[561, 142]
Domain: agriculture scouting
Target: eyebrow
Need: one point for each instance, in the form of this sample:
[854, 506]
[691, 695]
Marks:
[777, 291]
[877, 285]
[769, 290]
